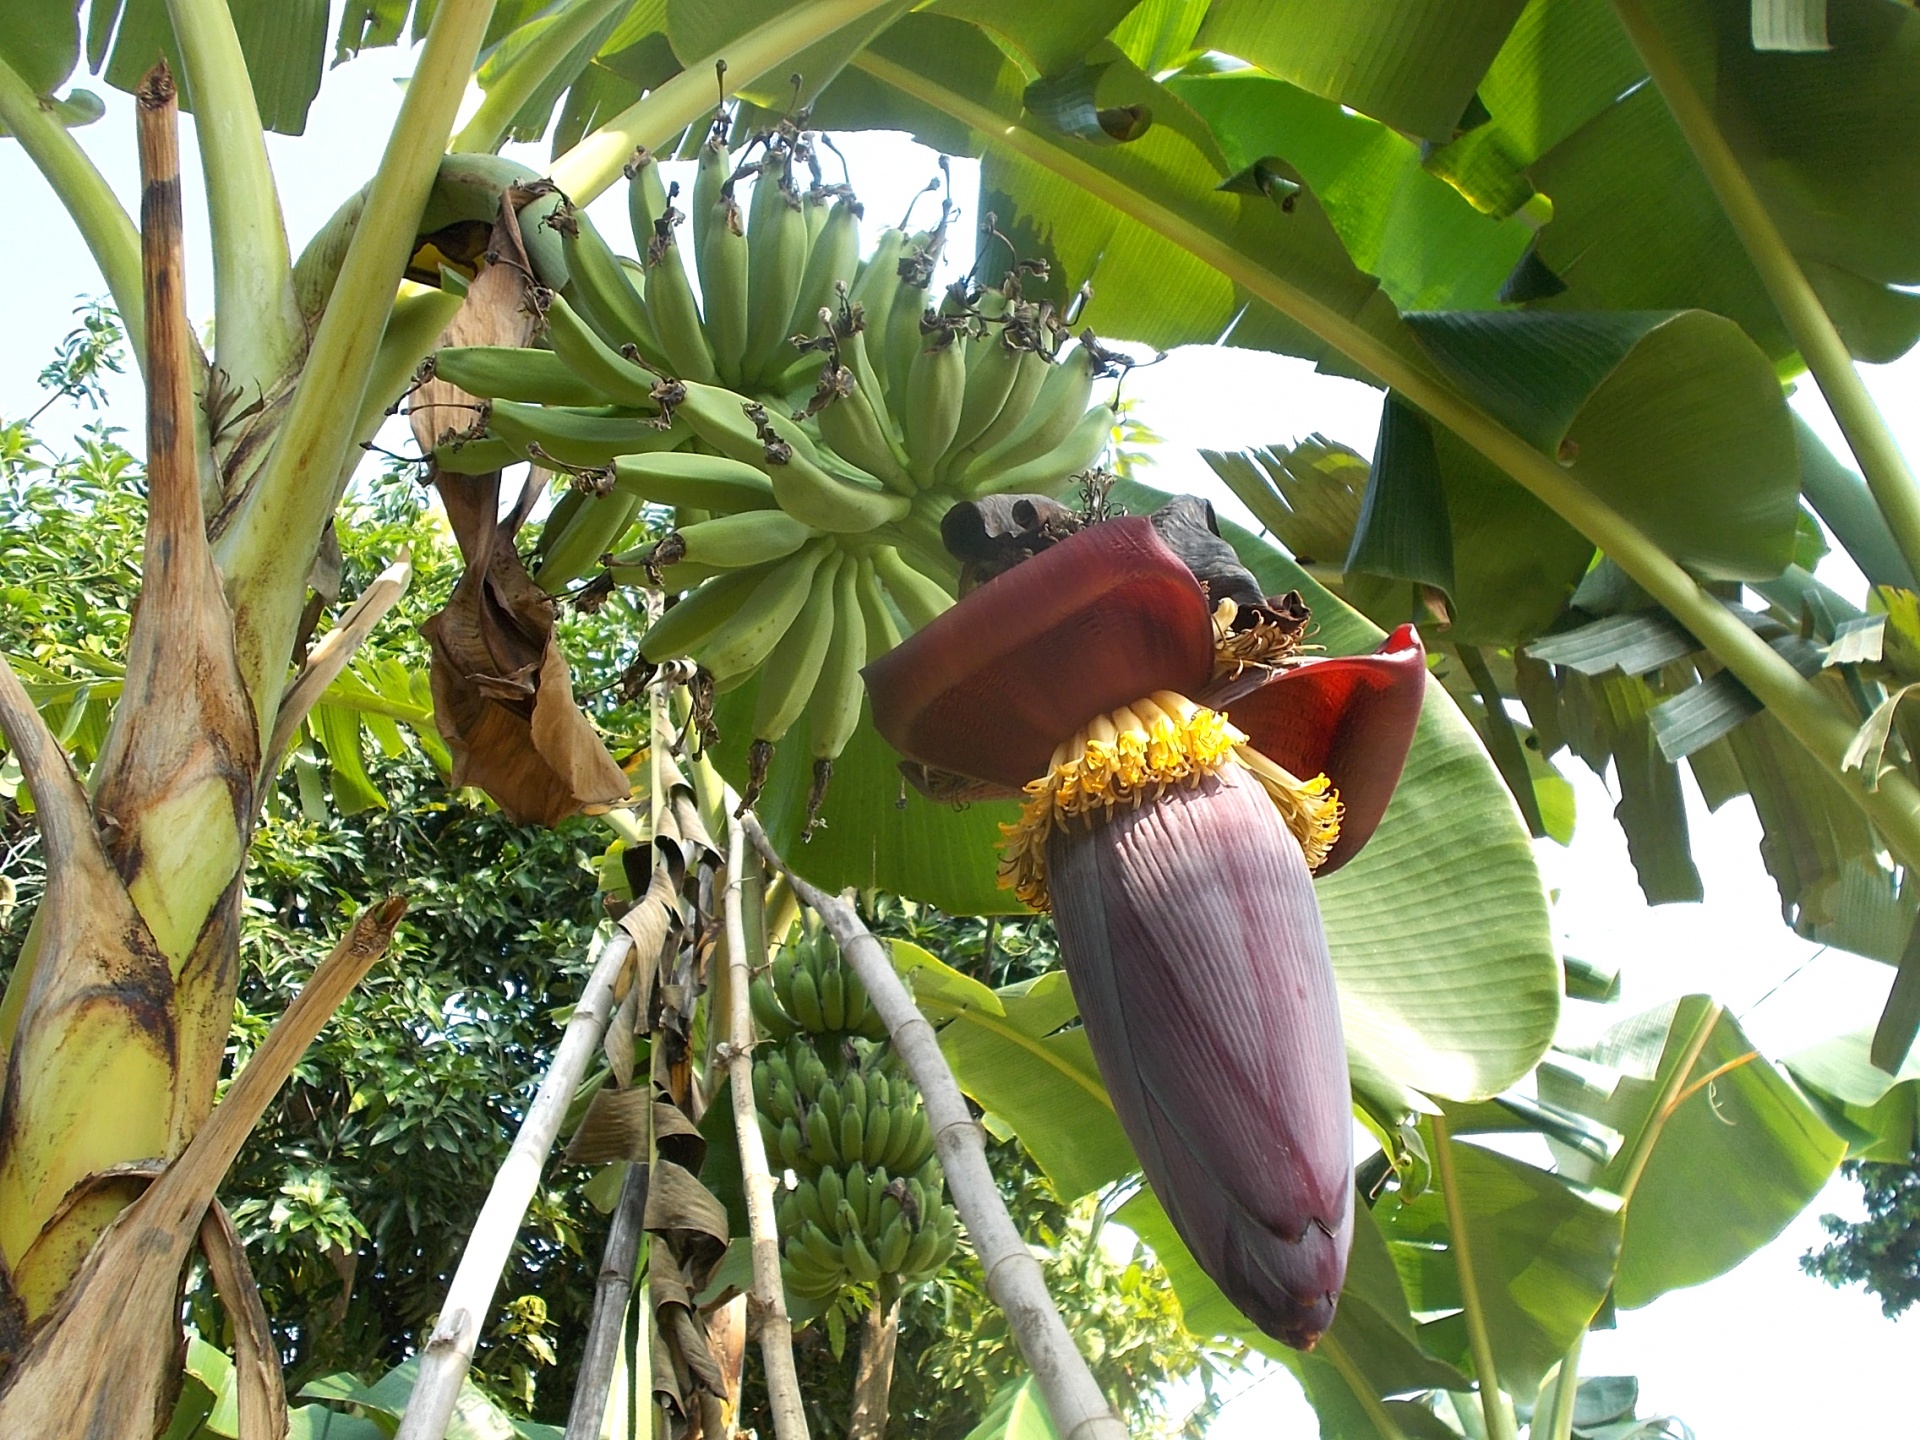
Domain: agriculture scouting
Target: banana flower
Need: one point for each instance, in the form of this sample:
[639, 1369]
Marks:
[1186, 768]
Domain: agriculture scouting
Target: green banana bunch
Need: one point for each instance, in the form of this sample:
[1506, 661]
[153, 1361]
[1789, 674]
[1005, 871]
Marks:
[809, 417]
[810, 988]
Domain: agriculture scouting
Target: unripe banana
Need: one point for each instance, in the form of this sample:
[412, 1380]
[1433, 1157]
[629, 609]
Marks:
[901, 340]
[859, 1260]
[1030, 374]
[1058, 407]
[776, 265]
[879, 280]
[683, 478]
[508, 372]
[894, 1241]
[833, 260]
[833, 1009]
[834, 710]
[831, 1187]
[829, 502]
[792, 1144]
[675, 316]
[587, 439]
[936, 393]
[589, 357]
[883, 630]
[853, 1129]
[807, 1196]
[992, 367]
[710, 176]
[752, 537]
[698, 614]
[853, 1088]
[879, 1130]
[806, 1002]
[604, 287]
[590, 533]
[850, 425]
[920, 599]
[1046, 474]
[723, 287]
[821, 1139]
[475, 457]
[788, 678]
[749, 635]
[918, 1261]
[647, 199]
[558, 518]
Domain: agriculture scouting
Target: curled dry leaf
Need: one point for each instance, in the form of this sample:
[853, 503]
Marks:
[502, 692]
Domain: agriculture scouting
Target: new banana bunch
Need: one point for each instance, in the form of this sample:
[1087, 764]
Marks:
[869, 1200]
[809, 419]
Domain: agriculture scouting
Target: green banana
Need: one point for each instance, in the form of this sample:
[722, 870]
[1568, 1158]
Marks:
[920, 599]
[792, 1144]
[589, 534]
[834, 260]
[590, 357]
[674, 314]
[476, 456]
[992, 366]
[901, 340]
[832, 1190]
[788, 678]
[710, 176]
[806, 1002]
[858, 432]
[936, 393]
[1046, 474]
[1058, 407]
[832, 1106]
[748, 636]
[894, 1241]
[859, 1260]
[826, 501]
[883, 630]
[879, 1129]
[776, 265]
[806, 1197]
[508, 372]
[878, 282]
[684, 478]
[558, 518]
[752, 537]
[834, 710]
[833, 1008]
[820, 1139]
[853, 1130]
[595, 272]
[699, 613]
[723, 286]
[647, 198]
[587, 439]
[1031, 369]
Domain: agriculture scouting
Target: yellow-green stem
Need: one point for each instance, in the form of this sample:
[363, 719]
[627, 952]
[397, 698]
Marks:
[1566, 1386]
[84, 193]
[1814, 721]
[512, 88]
[258, 335]
[595, 163]
[1493, 1405]
[265, 552]
[1649, 1137]
[1888, 474]
[1362, 1388]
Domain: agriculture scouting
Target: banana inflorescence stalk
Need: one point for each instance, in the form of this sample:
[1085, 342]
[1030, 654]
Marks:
[867, 1204]
[806, 417]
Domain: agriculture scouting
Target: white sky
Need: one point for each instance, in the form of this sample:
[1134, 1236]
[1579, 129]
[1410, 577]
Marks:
[1764, 1351]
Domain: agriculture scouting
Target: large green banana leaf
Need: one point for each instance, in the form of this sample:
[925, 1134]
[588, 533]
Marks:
[1878, 1114]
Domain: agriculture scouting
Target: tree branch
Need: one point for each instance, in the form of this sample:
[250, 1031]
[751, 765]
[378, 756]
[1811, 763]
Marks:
[611, 1293]
[448, 1353]
[85, 195]
[1014, 1278]
[769, 1295]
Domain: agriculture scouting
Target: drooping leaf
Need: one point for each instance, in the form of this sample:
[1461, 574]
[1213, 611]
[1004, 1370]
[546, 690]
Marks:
[1696, 1104]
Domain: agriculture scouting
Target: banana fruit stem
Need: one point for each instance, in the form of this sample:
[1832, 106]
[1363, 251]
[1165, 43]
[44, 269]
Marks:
[1887, 472]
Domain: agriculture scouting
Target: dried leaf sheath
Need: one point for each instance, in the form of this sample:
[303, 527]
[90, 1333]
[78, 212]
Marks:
[1193, 941]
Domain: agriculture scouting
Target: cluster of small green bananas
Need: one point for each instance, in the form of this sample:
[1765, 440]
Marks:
[809, 419]
[867, 1202]
[807, 989]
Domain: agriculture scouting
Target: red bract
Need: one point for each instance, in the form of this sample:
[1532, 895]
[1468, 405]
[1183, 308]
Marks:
[1185, 910]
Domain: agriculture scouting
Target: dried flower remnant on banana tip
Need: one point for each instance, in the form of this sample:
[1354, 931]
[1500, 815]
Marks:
[1186, 767]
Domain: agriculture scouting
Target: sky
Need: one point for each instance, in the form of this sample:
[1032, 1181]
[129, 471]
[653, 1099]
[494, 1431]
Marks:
[1764, 1350]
